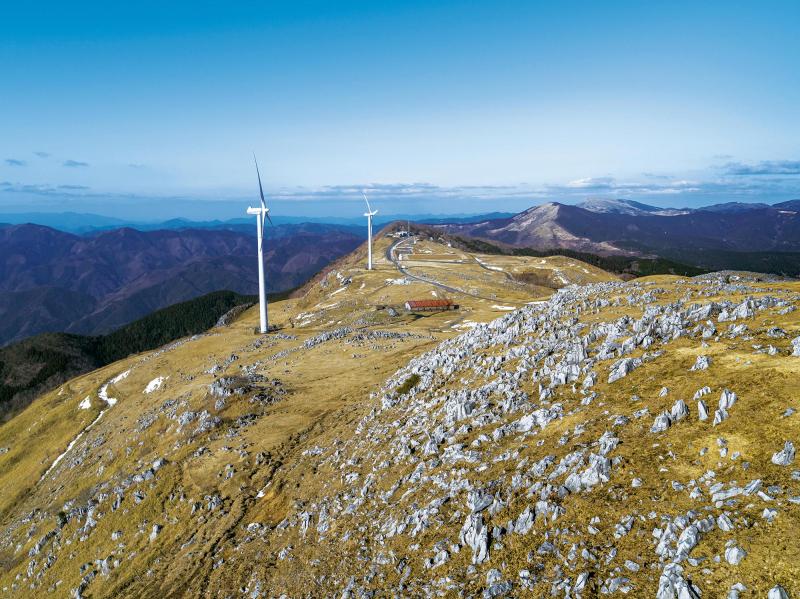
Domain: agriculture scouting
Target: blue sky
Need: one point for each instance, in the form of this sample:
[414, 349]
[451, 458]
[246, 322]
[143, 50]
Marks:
[151, 109]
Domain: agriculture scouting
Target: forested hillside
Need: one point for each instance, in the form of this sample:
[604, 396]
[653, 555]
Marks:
[38, 364]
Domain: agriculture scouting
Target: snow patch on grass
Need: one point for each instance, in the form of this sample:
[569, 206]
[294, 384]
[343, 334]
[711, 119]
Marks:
[155, 384]
[103, 393]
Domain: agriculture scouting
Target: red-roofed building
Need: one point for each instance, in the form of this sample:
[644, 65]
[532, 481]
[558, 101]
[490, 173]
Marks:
[432, 305]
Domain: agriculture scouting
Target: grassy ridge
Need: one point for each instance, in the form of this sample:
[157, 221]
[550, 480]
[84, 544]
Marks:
[634, 266]
[780, 263]
[677, 261]
[40, 363]
[637, 267]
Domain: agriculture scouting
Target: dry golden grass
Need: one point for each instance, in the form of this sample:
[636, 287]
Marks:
[328, 392]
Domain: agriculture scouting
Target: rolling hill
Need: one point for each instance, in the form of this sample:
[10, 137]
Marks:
[562, 433]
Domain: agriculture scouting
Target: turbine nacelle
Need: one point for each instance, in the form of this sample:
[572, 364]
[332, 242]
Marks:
[251, 210]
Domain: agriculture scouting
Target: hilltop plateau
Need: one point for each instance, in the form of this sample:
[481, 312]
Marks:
[562, 432]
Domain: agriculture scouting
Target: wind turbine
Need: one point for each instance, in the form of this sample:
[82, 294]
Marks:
[369, 214]
[260, 214]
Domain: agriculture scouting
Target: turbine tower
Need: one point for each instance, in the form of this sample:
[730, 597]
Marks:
[260, 214]
[369, 214]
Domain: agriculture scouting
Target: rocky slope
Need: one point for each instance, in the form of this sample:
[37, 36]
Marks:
[621, 438]
[607, 438]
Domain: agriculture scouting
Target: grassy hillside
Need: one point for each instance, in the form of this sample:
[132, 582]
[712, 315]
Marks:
[623, 265]
[337, 341]
[684, 262]
[530, 440]
[40, 363]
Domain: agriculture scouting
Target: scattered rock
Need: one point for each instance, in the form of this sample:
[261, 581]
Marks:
[734, 554]
[155, 531]
[785, 456]
[777, 592]
[702, 363]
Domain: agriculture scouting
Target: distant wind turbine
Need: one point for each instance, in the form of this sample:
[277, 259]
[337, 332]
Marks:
[369, 214]
[261, 213]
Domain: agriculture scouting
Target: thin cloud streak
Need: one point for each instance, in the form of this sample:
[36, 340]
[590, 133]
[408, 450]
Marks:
[767, 167]
[732, 182]
[573, 191]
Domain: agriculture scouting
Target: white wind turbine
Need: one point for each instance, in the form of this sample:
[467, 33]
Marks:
[369, 214]
[261, 213]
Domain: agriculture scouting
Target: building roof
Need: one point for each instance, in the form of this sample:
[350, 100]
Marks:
[438, 303]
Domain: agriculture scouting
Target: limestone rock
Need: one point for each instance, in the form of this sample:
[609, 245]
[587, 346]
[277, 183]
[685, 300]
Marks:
[661, 423]
[702, 363]
[622, 368]
[475, 535]
[679, 411]
[785, 456]
[777, 592]
[734, 554]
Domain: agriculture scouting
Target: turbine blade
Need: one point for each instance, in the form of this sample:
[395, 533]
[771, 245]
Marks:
[269, 219]
[260, 189]
[367, 201]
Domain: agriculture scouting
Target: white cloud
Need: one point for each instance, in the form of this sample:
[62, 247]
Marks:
[592, 183]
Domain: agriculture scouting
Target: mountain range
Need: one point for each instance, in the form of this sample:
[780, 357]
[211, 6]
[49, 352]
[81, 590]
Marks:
[622, 206]
[52, 281]
[619, 227]
[87, 223]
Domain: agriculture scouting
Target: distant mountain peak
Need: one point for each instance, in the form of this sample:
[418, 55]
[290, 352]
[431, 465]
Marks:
[793, 205]
[631, 207]
[734, 207]
[626, 227]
